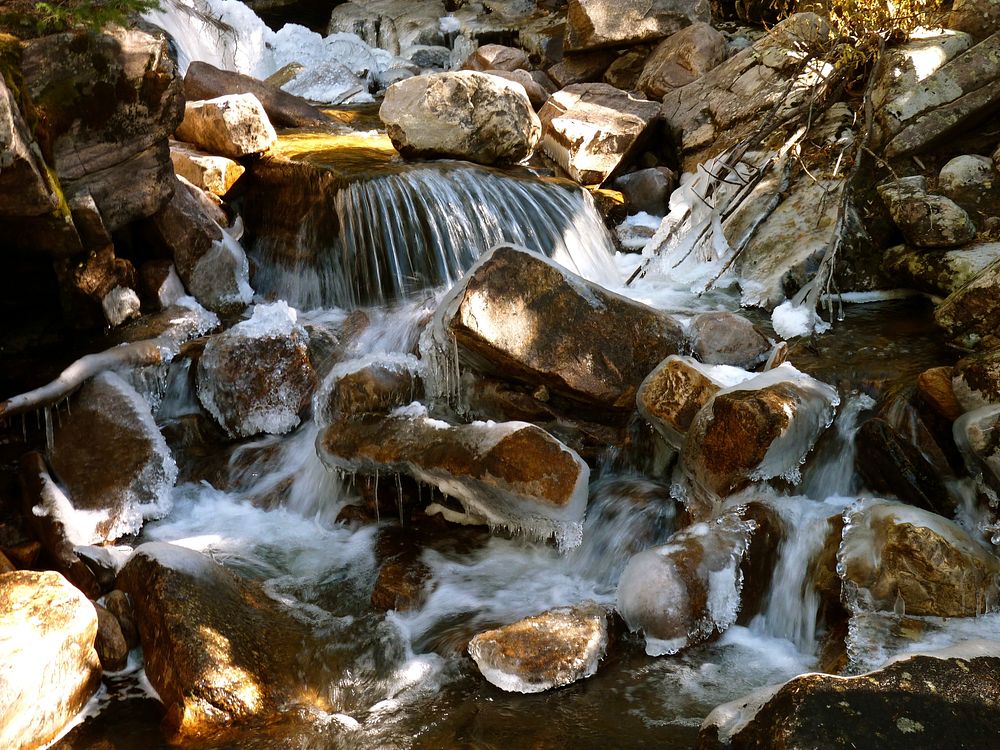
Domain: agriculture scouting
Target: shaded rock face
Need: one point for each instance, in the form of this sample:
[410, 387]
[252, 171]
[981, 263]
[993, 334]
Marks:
[551, 649]
[978, 18]
[372, 389]
[926, 220]
[973, 311]
[47, 632]
[976, 380]
[591, 128]
[940, 272]
[896, 557]
[108, 102]
[614, 23]
[113, 462]
[971, 181]
[491, 57]
[582, 67]
[680, 59]
[944, 699]
[24, 184]
[218, 651]
[465, 115]
[520, 315]
[257, 376]
[112, 650]
[538, 86]
[977, 435]
[647, 190]
[512, 474]
[672, 394]
[724, 338]
[233, 125]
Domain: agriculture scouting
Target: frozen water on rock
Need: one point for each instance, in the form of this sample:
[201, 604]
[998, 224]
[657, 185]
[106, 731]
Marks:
[790, 320]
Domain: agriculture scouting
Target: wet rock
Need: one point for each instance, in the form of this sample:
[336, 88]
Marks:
[899, 558]
[603, 23]
[977, 435]
[892, 465]
[625, 70]
[582, 67]
[110, 643]
[118, 604]
[284, 110]
[729, 102]
[723, 338]
[936, 271]
[109, 102]
[759, 429]
[102, 564]
[511, 474]
[926, 220]
[976, 380]
[400, 585]
[591, 128]
[672, 394]
[973, 311]
[363, 389]
[234, 125]
[538, 86]
[492, 57]
[257, 376]
[647, 190]
[687, 590]
[218, 650]
[595, 350]
[936, 390]
[215, 174]
[972, 183]
[465, 115]
[47, 628]
[555, 648]
[110, 457]
[24, 184]
[680, 59]
[159, 285]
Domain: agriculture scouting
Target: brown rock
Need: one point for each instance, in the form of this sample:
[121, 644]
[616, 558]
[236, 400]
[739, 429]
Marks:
[492, 57]
[681, 59]
[6, 566]
[935, 388]
[215, 174]
[615, 23]
[582, 67]
[119, 605]
[625, 70]
[373, 389]
[538, 86]
[110, 644]
[976, 380]
[671, 396]
[724, 338]
[400, 585]
[974, 310]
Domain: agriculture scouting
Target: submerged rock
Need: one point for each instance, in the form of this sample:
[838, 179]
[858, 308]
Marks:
[614, 23]
[899, 558]
[463, 115]
[218, 651]
[50, 668]
[257, 376]
[234, 125]
[555, 648]
[939, 699]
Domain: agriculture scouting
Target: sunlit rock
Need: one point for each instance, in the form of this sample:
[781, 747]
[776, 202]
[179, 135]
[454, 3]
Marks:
[538, 86]
[492, 57]
[945, 698]
[513, 475]
[591, 128]
[257, 376]
[614, 23]
[899, 558]
[24, 187]
[938, 271]
[936, 391]
[206, 171]
[465, 115]
[50, 668]
[555, 648]
[681, 59]
[234, 125]
[393, 25]
[217, 649]
[673, 393]
[926, 220]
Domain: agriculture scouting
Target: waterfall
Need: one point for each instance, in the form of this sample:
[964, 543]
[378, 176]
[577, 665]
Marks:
[422, 227]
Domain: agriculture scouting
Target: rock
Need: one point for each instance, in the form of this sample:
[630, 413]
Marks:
[491, 57]
[160, 285]
[672, 394]
[110, 643]
[555, 648]
[211, 264]
[759, 429]
[935, 389]
[118, 604]
[218, 651]
[284, 110]
[465, 115]
[393, 25]
[977, 435]
[625, 70]
[211, 204]
[936, 699]
[595, 351]
[891, 465]
[47, 628]
[603, 23]
[86, 281]
[102, 564]
[591, 128]
[647, 190]
[109, 102]
[257, 376]
[206, 171]
[400, 585]
[6, 566]
[723, 338]
[976, 380]
[937, 271]
[512, 474]
[899, 558]
[234, 125]
[24, 182]
[430, 57]
[728, 103]
[109, 455]
[119, 305]
[538, 86]
[926, 220]
[680, 59]
[687, 590]
[978, 18]
[369, 388]
[974, 309]
[971, 182]
[582, 67]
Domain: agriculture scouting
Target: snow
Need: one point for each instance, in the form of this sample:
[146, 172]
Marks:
[790, 320]
[274, 320]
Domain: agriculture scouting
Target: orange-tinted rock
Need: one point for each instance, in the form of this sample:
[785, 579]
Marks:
[110, 644]
[671, 396]
[935, 388]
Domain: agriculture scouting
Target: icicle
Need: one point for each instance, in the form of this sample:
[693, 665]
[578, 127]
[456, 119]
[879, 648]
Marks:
[49, 437]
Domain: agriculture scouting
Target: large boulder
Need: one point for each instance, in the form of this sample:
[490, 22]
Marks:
[107, 103]
[947, 698]
[510, 474]
[673, 393]
[591, 128]
[926, 220]
[937, 271]
[217, 649]
[524, 317]
[49, 666]
[555, 648]
[233, 125]
[257, 377]
[900, 558]
[680, 59]
[615, 23]
[464, 115]
[972, 182]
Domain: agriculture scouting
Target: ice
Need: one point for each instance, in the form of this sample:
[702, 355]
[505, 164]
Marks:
[328, 83]
[276, 320]
[449, 24]
[790, 320]
[79, 526]
[221, 277]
